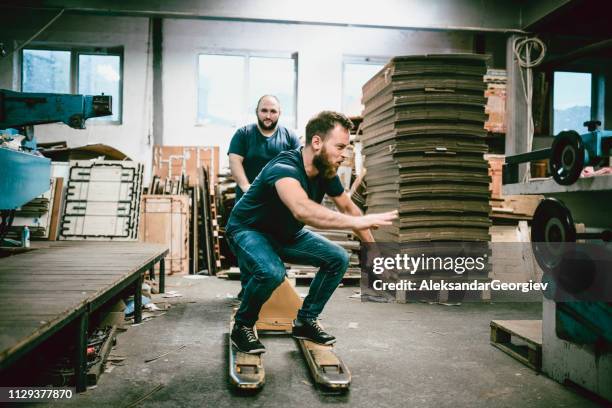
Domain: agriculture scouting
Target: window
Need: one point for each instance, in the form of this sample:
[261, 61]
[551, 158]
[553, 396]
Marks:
[46, 71]
[571, 101]
[220, 89]
[356, 72]
[229, 87]
[101, 74]
[76, 71]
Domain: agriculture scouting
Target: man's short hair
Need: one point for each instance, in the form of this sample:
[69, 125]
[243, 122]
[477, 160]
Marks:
[262, 98]
[324, 122]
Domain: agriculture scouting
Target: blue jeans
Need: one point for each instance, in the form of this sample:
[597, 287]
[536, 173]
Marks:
[261, 257]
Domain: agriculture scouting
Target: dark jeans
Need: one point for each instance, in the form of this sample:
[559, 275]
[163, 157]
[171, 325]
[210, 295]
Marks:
[261, 258]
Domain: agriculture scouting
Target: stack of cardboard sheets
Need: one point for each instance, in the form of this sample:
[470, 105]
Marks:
[424, 140]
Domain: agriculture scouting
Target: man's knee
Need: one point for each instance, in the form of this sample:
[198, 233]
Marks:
[339, 258]
[272, 274]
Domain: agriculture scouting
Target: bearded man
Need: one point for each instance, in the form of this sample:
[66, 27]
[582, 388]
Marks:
[265, 229]
[254, 145]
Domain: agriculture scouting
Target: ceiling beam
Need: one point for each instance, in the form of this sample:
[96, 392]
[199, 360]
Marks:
[474, 15]
[534, 12]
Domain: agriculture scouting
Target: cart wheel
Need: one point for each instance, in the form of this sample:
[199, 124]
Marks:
[552, 226]
[567, 157]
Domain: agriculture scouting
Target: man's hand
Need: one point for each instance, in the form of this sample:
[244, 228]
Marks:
[374, 220]
[245, 187]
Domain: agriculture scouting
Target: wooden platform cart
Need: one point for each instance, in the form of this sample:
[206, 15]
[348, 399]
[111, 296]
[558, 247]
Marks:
[247, 370]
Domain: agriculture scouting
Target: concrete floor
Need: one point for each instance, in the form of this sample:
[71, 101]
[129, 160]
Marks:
[400, 355]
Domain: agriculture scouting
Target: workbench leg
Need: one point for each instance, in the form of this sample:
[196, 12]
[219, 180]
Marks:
[162, 275]
[138, 299]
[152, 272]
[80, 360]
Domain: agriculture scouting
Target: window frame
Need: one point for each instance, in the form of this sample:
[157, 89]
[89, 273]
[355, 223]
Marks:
[357, 59]
[595, 90]
[247, 55]
[75, 52]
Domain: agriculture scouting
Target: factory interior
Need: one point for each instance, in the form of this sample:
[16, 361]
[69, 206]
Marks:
[208, 203]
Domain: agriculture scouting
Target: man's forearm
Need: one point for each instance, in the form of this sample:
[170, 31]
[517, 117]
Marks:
[316, 215]
[363, 235]
[239, 175]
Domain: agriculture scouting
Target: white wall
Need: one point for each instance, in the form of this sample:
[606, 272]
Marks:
[320, 52]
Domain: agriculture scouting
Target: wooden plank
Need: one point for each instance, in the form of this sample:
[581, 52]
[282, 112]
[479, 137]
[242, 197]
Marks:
[171, 161]
[55, 215]
[206, 223]
[165, 220]
[97, 369]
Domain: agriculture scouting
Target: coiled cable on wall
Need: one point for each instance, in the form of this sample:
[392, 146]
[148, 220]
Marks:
[529, 53]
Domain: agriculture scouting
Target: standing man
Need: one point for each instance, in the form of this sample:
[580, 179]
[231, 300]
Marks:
[266, 228]
[254, 145]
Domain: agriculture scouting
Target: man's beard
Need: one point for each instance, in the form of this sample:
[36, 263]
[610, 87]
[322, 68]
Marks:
[264, 127]
[325, 167]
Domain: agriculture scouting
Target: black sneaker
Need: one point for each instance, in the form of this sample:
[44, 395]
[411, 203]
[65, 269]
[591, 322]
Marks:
[245, 340]
[310, 330]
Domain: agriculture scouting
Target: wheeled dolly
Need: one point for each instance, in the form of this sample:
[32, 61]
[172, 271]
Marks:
[247, 371]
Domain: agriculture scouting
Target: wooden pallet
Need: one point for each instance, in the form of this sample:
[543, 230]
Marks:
[527, 336]
[306, 276]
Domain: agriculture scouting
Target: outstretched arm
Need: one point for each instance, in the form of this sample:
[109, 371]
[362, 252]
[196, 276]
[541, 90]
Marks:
[347, 206]
[237, 169]
[307, 211]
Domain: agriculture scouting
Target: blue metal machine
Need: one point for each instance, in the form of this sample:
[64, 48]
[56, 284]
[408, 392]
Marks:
[24, 173]
[571, 152]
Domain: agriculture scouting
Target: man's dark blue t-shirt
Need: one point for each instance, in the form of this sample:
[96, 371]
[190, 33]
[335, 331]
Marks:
[262, 209]
[258, 149]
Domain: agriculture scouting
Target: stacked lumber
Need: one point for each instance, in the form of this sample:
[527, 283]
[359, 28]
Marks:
[507, 209]
[209, 252]
[41, 215]
[182, 174]
[176, 185]
[496, 79]
[226, 197]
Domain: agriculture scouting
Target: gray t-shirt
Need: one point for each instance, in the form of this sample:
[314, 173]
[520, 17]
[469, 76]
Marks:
[258, 149]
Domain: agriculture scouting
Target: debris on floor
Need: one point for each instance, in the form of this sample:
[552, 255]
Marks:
[164, 354]
[196, 277]
[129, 306]
[171, 294]
[147, 395]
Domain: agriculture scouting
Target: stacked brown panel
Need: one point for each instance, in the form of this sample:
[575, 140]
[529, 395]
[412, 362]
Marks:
[424, 140]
